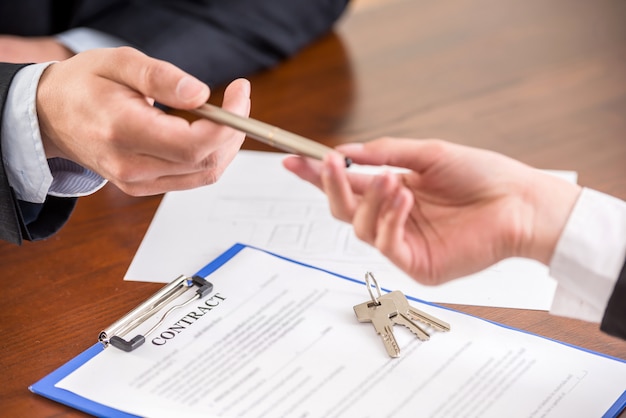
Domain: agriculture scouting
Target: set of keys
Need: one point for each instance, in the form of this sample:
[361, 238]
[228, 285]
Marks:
[393, 308]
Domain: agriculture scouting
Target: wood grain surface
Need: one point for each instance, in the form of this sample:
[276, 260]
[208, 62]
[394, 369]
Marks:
[543, 81]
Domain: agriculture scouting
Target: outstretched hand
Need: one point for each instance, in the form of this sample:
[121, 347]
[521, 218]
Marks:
[454, 211]
[96, 110]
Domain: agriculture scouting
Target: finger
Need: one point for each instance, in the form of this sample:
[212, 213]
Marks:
[236, 100]
[309, 170]
[237, 97]
[212, 143]
[305, 168]
[141, 129]
[392, 229]
[368, 214]
[122, 168]
[335, 184]
[414, 154]
[167, 183]
[154, 78]
[146, 130]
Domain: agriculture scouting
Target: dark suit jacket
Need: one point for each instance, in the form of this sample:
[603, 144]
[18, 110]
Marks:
[614, 320]
[216, 41]
[21, 220]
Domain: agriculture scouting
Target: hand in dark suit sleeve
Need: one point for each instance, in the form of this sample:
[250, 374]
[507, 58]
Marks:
[218, 41]
[21, 220]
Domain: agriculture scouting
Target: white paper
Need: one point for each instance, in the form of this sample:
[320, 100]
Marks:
[260, 203]
[284, 341]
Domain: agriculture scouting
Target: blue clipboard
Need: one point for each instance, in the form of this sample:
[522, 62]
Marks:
[46, 386]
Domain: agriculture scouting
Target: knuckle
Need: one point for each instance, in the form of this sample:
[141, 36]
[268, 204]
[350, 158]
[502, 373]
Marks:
[437, 146]
[152, 75]
[200, 161]
[111, 130]
[127, 188]
[146, 75]
[123, 173]
[211, 176]
[336, 213]
[364, 230]
[193, 156]
[363, 235]
[136, 189]
[124, 52]
[340, 213]
[385, 140]
[106, 133]
[122, 55]
[384, 246]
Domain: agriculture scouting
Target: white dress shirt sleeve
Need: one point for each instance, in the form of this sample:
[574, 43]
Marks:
[22, 151]
[31, 176]
[589, 256]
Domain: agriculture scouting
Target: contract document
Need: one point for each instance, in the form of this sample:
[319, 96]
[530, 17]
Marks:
[280, 338]
[259, 202]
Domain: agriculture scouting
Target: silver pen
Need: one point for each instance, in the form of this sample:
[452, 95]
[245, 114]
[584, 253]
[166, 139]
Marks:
[266, 133]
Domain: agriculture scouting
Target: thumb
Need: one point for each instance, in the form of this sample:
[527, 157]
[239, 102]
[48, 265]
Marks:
[189, 93]
[160, 80]
[414, 154]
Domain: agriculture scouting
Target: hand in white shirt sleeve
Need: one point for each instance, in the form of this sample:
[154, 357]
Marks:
[31, 176]
[589, 256]
[458, 209]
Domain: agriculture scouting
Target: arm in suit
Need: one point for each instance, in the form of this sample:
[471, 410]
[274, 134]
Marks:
[149, 153]
[18, 219]
[215, 40]
[220, 40]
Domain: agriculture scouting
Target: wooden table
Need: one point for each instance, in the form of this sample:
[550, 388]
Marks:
[543, 81]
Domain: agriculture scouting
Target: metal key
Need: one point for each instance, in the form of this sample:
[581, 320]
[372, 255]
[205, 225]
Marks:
[379, 315]
[403, 319]
[408, 314]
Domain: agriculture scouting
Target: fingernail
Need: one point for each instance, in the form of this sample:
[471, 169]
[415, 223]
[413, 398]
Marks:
[334, 157]
[379, 181]
[327, 165]
[397, 199]
[189, 89]
[246, 87]
[325, 172]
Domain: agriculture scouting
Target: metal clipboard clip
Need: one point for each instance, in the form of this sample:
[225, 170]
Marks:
[116, 332]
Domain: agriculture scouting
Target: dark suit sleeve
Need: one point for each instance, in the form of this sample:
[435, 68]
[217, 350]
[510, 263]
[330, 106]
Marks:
[614, 320]
[219, 40]
[22, 220]
[9, 224]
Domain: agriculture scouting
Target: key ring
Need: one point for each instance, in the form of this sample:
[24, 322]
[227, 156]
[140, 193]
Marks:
[369, 276]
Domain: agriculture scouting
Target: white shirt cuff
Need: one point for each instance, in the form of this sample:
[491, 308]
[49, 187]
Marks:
[73, 180]
[83, 39]
[589, 256]
[30, 174]
[22, 150]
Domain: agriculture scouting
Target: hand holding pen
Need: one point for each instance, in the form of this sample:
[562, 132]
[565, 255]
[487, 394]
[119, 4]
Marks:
[266, 133]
